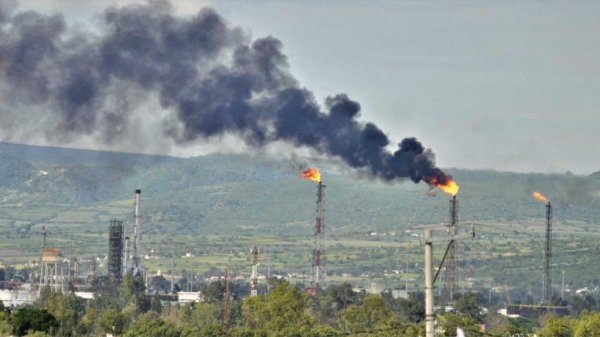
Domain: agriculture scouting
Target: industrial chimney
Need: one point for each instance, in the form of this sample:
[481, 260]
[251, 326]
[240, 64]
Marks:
[136, 235]
[254, 276]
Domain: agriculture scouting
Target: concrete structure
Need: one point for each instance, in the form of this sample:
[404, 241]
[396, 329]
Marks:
[399, 293]
[189, 296]
[376, 288]
[429, 276]
[52, 269]
[22, 295]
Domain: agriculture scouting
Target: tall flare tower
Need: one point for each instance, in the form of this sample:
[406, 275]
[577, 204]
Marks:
[318, 261]
[452, 257]
[318, 265]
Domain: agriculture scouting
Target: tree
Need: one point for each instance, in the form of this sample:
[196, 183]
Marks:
[469, 304]
[35, 319]
[324, 331]
[557, 327]
[113, 322]
[342, 296]
[133, 291]
[368, 316]
[160, 283]
[151, 325]
[205, 314]
[281, 313]
[581, 303]
[68, 310]
[411, 309]
[449, 322]
[588, 325]
[37, 334]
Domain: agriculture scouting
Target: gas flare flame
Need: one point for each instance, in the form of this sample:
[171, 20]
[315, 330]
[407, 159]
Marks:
[311, 174]
[450, 186]
[540, 197]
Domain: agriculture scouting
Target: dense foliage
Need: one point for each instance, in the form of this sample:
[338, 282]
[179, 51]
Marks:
[285, 311]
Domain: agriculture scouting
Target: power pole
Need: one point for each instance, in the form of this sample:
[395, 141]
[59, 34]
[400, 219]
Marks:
[269, 270]
[429, 278]
[225, 304]
[562, 286]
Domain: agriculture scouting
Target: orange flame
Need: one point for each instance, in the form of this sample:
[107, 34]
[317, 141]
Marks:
[311, 174]
[540, 197]
[450, 187]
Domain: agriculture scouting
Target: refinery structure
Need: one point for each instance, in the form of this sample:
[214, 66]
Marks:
[62, 272]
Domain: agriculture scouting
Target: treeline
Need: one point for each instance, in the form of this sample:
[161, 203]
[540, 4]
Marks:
[285, 311]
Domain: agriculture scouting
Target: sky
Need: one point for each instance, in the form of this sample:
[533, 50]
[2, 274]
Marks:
[503, 85]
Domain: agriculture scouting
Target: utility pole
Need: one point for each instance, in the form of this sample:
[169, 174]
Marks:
[429, 277]
[225, 304]
[562, 286]
[429, 315]
[490, 294]
[269, 270]
[172, 270]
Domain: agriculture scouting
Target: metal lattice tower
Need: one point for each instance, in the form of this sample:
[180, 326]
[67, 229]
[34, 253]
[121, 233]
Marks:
[115, 251]
[452, 257]
[318, 263]
[254, 276]
[547, 288]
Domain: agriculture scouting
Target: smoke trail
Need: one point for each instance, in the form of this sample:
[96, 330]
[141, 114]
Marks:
[212, 78]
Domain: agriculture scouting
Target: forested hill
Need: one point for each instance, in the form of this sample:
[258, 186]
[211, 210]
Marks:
[236, 191]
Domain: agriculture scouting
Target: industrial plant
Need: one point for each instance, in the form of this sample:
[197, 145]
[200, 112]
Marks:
[79, 275]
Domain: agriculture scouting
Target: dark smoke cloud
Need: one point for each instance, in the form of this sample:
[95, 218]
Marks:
[213, 78]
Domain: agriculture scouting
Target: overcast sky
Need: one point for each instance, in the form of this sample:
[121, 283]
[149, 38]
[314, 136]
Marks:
[511, 85]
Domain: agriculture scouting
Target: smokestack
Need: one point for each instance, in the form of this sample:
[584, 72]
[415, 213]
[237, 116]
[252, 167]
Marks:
[126, 257]
[136, 234]
[254, 276]
[42, 275]
[210, 78]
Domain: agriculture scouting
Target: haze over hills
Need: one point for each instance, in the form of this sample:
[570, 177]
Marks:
[223, 193]
[216, 206]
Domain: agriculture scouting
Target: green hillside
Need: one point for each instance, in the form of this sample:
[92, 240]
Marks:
[218, 205]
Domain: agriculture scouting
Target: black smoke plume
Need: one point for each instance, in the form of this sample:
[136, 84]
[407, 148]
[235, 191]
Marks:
[213, 79]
